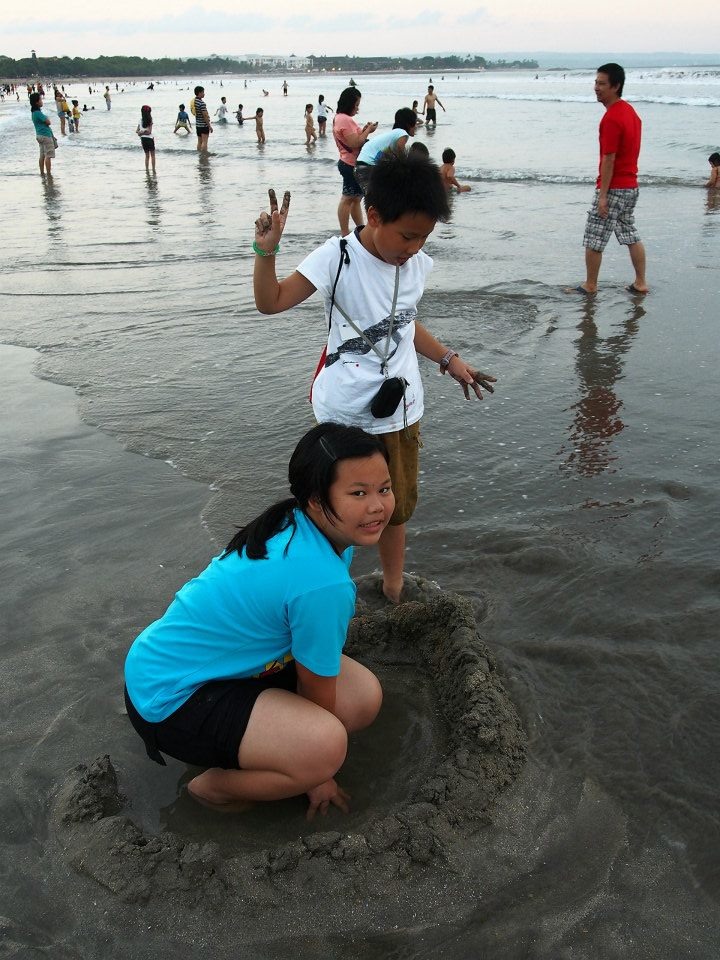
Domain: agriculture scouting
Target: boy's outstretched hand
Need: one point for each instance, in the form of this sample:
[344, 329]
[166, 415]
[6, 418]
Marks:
[470, 379]
[269, 226]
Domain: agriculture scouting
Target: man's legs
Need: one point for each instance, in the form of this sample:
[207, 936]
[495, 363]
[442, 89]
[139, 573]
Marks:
[637, 256]
[593, 260]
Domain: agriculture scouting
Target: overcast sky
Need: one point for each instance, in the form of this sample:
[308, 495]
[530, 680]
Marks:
[180, 29]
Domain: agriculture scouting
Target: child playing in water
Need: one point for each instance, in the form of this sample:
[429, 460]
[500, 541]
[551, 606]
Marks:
[418, 119]
[183, 120]
[309, 125]
[144, 131]
[322, 115]
[447, 172]
[237, 677]
[239, 116]
[714, 161]
[222, 111]
[371, 282]
[76, 114]
[259, 128]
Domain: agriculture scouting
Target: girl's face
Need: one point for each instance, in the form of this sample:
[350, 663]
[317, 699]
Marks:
[363, 500]
[356, 108]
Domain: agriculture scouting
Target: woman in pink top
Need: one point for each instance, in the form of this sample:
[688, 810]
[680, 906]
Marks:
[349, 137]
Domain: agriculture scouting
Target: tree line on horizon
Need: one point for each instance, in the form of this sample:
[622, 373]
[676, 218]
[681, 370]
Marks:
[101, 67]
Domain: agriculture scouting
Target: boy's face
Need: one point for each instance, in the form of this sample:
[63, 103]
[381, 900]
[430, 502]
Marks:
[401, 239]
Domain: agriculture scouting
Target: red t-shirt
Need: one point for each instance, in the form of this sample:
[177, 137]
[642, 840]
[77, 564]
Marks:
[620, 132]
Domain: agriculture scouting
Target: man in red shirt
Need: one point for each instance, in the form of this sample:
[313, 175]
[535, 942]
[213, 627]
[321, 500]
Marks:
[616, 190]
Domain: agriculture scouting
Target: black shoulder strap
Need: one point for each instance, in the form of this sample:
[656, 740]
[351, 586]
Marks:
[344, 258]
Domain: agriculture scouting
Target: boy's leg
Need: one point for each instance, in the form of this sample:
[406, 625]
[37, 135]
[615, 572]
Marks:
[403, 447]
[391, 547]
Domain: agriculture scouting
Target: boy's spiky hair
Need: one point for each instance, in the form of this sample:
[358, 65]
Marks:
[401, 184]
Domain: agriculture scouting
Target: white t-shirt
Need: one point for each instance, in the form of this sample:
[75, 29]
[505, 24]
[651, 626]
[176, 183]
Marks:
[347, 384]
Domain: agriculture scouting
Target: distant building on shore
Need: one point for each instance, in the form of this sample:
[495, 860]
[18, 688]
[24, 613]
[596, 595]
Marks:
[291, 63]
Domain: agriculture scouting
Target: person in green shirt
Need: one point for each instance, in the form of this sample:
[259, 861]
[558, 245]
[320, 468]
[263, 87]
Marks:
[43, 133]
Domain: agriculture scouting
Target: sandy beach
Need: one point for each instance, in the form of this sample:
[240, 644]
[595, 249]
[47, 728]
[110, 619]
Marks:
[147, 408]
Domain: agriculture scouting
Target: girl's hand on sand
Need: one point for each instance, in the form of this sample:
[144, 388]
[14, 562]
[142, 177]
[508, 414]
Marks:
[470, 379]
[322, 796]
[269, 226]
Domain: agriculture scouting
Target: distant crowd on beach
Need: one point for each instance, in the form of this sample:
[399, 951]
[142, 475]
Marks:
[359, 151]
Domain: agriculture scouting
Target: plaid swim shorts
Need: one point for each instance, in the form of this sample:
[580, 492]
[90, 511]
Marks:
[620, 220]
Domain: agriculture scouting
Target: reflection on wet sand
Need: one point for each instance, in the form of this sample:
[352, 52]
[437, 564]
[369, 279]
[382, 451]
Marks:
[596, 415]
[53, 208]
[154, 207]
[205, 181]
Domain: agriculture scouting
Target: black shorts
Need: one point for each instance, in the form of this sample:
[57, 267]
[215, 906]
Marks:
[148, 144]
[202, 131]
[362, 175]
[430, 115]
[351, 188]
[207, 729]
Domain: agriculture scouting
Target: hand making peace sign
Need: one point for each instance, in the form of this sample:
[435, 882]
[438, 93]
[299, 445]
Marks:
[269, 226]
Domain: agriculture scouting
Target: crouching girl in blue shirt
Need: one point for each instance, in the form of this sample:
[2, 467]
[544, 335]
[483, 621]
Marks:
[244, 674]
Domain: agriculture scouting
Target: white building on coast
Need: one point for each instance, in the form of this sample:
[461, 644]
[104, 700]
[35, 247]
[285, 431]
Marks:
[291, 63]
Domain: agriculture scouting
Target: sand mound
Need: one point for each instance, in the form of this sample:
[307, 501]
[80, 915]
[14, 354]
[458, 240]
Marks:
[483, 752]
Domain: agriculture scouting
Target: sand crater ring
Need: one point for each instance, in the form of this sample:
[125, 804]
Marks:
[485, 749]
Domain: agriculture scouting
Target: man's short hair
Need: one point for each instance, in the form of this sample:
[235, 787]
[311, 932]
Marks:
[405, 183]
[405, 119]
[199, 90]
[615, 74]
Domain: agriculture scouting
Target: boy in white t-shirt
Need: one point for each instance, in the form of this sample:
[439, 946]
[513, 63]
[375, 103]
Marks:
[371, 282]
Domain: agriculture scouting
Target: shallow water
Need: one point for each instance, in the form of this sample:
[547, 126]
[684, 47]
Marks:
[579, 502]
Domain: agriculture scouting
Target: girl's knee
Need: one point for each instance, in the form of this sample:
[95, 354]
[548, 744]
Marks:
[370, 702]
[327, 751]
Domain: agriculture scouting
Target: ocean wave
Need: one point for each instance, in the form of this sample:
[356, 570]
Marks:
[561, 179]
[579, 98]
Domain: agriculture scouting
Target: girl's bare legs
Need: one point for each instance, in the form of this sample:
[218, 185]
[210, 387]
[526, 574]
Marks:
[347, 208]
[152, 160]
[291, 744]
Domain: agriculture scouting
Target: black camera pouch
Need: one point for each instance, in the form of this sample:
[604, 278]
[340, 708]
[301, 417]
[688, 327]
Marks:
[386, 400]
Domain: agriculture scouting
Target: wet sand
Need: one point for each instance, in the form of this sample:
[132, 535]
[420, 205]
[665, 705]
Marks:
[104, 537]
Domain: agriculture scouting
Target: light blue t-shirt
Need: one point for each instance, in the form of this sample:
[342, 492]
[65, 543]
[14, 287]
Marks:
[42, 129]
[240, 618]
[374, 148]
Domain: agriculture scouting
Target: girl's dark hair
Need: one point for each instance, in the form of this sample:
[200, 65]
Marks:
[311, 473]
[308, 106]
[406, 183]
[321, 98]
[404, 119]
[714, 159]
[145, 116]
[347, 100]
[34, 101]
